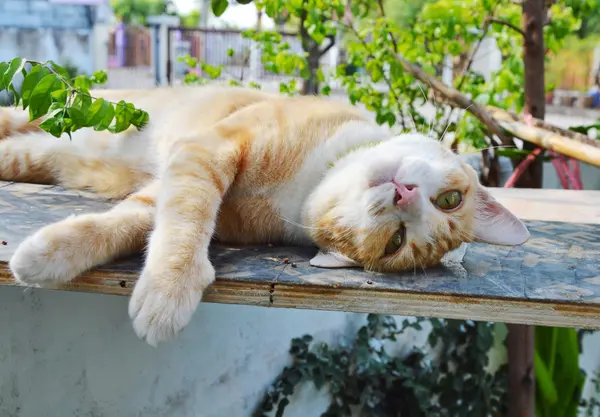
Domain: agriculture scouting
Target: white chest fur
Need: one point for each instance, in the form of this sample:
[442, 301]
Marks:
[289, 198]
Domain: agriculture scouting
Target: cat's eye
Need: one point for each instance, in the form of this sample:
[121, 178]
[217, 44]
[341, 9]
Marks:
[449, 200]
[396, 241]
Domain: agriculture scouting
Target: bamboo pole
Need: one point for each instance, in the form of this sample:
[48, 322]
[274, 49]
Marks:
[573, 144]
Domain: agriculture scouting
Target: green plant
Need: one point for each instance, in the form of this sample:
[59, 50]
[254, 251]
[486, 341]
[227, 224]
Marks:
[559, 380]
[135, 12]
[591, 407]
[440, 30]
[364, 375]
[49, 91]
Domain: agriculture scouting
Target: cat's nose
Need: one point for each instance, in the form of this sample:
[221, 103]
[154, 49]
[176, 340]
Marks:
[405, 194]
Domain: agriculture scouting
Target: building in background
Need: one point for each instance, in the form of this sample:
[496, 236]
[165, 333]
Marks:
[70, 32]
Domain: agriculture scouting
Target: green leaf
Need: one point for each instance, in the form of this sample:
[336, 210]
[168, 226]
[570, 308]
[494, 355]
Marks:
[124, 113]
[16, 65]
[40, 98]
[219, 7]
[82, 83]
[62, 72]
[79, 109]
[55, 125]
[97, 112]
[140, 118]
[100, 77]
[30, 82]
[3, 69]
[108, 112]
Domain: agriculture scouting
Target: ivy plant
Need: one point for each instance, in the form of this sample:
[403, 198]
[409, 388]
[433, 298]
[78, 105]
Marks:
[363, 376]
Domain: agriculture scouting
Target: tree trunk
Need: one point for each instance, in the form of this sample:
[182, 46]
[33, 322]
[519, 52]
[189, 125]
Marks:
[521, 377]
[521, 384]
[534, 14]
[310, 85]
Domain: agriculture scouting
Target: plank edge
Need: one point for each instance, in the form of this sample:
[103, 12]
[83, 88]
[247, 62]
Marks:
[357, 300]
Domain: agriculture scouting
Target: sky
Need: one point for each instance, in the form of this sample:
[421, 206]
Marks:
[242, 16]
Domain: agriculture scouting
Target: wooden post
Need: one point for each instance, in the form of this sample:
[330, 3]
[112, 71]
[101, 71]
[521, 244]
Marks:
[521, 376]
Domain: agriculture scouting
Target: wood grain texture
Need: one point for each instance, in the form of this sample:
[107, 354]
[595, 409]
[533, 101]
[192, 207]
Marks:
[554, 279]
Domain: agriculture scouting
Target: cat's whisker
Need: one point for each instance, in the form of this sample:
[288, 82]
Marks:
[302, 226]
[425, 102]
[476, 151]
[414, 122]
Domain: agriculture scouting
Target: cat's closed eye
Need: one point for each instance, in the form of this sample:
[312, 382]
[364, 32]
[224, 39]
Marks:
[396, 241]
[448, 200]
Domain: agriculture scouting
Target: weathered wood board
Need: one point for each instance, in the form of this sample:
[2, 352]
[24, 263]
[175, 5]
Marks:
[554, 279]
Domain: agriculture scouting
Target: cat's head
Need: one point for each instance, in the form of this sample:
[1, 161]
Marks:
[403, 204]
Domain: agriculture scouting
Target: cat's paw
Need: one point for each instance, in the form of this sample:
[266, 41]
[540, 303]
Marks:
[39, 260]
[162, 305]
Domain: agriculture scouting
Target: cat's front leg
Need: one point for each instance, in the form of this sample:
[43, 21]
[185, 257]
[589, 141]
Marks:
[64, 250]
[177, 268]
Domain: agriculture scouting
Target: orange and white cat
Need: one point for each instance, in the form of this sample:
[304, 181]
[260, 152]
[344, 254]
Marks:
[244, 166]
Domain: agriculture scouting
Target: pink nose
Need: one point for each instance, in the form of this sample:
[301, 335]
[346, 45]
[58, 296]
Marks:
[405, 194]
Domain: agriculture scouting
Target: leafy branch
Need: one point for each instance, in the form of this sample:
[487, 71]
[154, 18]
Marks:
[48, 90]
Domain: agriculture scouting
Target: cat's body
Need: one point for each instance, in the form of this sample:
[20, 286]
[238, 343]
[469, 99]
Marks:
[244, 166]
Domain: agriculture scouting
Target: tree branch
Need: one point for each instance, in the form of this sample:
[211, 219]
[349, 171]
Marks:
[507, 24]
[387, 80]
[456, 97]
[485, 29]
[328, 47]
[505, 124]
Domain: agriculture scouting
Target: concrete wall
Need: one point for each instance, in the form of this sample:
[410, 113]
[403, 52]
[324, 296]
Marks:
[68, 354]
[62, 46]
[43, 14]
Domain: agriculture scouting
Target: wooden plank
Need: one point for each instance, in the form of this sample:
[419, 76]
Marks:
[570, 206]
[554, 279]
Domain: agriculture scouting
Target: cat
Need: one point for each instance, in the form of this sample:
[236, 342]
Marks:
[248, 167]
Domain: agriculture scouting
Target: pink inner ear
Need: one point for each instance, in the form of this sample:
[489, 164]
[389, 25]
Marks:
[495, 224]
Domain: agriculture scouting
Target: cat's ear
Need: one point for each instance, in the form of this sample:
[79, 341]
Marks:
[333, 260]
[495, 224]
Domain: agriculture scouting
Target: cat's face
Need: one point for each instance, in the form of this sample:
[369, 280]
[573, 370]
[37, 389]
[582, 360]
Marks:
[403, 204]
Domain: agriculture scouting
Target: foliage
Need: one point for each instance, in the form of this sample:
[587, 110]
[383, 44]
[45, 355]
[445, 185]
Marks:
[135, 12]
[559, 380]
[48, 90]
[589, 12]
[571, 66]
[365, 376]
[591, 407]
[439, 29]
[191, 20]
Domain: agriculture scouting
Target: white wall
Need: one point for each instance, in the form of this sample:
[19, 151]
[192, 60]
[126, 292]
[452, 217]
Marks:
[66, 354]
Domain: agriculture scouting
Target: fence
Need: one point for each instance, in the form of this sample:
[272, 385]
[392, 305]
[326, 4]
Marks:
[132, 63]
[213, 46]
